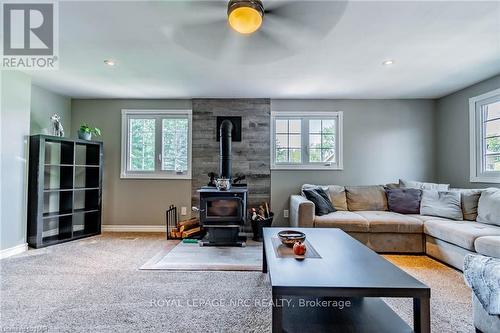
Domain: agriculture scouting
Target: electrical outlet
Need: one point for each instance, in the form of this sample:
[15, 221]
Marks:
[285, 213]
[183, 211]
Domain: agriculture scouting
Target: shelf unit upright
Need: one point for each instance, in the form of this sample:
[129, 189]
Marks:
[64, 189]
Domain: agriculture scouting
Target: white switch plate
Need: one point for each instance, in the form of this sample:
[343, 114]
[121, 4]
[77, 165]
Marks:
[183, 211]
[285, 213]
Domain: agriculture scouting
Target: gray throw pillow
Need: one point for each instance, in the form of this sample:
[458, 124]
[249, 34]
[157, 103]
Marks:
[423, 186]
[336, 193]
[322, 203]
[442, 204]
[404, 200]
[488, 210]
[470, 201]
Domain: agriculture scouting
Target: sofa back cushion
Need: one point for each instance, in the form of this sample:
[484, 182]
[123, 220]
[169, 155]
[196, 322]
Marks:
[423, 186]
[336, 193]
[366, 198]
[321, 200]
[338, 197]
[488, 210]
[470, 201]
[442, 204]
[404, 200]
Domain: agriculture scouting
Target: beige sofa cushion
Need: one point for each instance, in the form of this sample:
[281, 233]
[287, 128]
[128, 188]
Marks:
[336, 193]
[488, 246]
[488, 210]
[460, 233]
[338, 197]
[345, 220]
[392, 222]
[425, 218]
[366, 198]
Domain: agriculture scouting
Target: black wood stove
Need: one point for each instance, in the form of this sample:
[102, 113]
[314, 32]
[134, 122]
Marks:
[223, 209]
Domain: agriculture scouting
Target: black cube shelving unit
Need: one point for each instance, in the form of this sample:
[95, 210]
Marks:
[64, 189]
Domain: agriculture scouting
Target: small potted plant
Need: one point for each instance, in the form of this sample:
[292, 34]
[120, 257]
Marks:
[85, 132]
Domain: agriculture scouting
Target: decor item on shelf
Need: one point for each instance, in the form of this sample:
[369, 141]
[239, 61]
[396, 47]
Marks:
[85, 132]
[290, 237]
[57, 127]
[260, 218]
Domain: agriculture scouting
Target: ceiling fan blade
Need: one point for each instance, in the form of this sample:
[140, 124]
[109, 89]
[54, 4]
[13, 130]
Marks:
[318, 16]
[207, 39]
[258, 48]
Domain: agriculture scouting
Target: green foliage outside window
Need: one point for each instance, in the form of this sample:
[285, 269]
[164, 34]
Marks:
[493, 146]
[142, 144]
[175, 145]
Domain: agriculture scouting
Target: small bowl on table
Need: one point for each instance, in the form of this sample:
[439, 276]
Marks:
[290, 237]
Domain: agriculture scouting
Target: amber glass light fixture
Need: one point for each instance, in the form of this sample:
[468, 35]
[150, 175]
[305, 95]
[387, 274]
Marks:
[245, 16]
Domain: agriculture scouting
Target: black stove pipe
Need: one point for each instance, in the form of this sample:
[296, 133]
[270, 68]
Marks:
[226, 129]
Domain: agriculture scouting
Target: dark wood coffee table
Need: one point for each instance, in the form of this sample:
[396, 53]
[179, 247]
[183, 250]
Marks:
[346, 271]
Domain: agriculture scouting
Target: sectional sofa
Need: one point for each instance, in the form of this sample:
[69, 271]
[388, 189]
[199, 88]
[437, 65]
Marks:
[363, 212]
[472, 233]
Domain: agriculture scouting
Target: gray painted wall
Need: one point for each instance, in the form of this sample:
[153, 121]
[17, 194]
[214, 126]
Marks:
[452, 135]
[129, 201]
[44, 104]
[383, 140]
[251, 156]
[15, 129]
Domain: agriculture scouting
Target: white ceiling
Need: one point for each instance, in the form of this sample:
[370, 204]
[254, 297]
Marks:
[335, 50]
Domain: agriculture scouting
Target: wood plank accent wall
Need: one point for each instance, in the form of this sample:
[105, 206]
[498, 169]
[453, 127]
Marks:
[251, 156]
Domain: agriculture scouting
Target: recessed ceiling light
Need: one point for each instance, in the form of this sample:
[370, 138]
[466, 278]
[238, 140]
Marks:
[388, 62]
[110, 62]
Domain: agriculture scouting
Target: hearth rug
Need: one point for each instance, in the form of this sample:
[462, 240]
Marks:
[192, 257]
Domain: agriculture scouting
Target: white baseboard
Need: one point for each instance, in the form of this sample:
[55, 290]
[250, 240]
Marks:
[13, 250]
[132, 228]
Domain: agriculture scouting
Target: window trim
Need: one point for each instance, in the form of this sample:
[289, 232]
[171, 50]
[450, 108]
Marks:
[477, 173]
[124, 173]
[309, 114]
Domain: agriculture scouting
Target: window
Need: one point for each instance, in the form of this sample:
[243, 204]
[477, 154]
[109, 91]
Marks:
[484, 117]
[156, 144]
[306, 142]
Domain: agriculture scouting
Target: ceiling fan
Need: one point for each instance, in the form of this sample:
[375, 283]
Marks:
[256, 31]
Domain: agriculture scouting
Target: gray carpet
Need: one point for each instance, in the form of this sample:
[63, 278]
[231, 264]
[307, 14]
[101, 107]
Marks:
[94, 285]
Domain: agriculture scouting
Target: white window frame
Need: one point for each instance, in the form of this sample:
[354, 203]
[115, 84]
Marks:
[476, 132]
[128, 174]
[338, 115]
